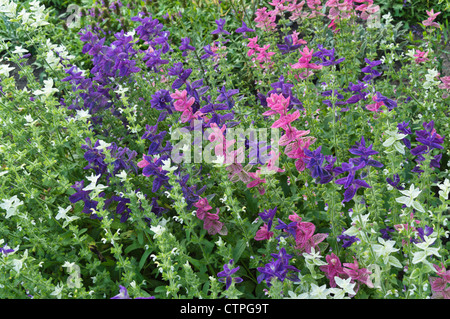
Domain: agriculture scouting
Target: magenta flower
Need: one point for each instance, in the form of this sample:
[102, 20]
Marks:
[202, 207]
[333, 268]
[266, 20]
[257, 181]
[439, 284]
[430, 21]
[305, 237]
[358, 275]
[263, 233]
[421, 56]
[212, 224]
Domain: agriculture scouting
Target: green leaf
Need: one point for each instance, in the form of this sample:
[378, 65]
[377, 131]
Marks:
[144, 258]
[238, 250]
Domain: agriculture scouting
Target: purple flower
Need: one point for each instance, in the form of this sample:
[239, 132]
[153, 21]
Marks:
[267, 216]
[371, 73]
[161, 101]
[315, 164]
[208, 52]
[364, 152]
[347, 239]
[278, 267]
[327, 56]
[351, 184]
[395, 183]
[288, 46]
[390, 104]
[185, 46]
[228, 273]
[358, 89]
[123, 294]
[244, 29]
[384, 232]
[424, 232]
[290, 228]
[220, 24]
[6, 250]
[225, 96]
[403, 128]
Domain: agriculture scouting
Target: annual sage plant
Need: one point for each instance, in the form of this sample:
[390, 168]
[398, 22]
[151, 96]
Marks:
[281, 149]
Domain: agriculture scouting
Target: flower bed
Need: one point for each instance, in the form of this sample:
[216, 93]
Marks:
[222, 150]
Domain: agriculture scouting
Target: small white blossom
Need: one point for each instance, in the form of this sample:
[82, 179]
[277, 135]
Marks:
[47, 90]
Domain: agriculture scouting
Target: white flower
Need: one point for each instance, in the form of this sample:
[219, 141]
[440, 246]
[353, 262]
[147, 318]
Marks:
[62, 213]
[122, 176]
[52, 59]
[445, 189]
[11, 205]
[384, 250]
[92, 186]
[121, 91]
[345, 285]
[409, 197]
[58, 291]
[82, 115]
[158, 230]
[5, 69]
[30, 121]
[47, 90]
[19, 50]
[18, 263]
[314, 258]
[394, 140]
[426, 251]
[102, 145]
[8, 8]
[166, 165]
[318, 292]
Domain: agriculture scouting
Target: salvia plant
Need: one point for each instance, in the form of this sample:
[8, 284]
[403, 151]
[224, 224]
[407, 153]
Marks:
[285, 149]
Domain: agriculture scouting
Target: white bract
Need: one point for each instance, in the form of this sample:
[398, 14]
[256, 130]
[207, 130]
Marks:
[47, 90]
[426, 250]
[394, 140]
[11, 205]
[384, 249]
[409, 197]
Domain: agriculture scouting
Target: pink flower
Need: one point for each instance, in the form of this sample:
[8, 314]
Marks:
[143, 163]
[375, 107]
[213, 225]
[439, 284]
[286, 120]
[430, 21]
[304, 62]
[263, 233]
[333, 268]
[356, 274]
[270, 164]
[445, 85]
[277, 103]
[202, 207]
[266, 20]
[184, 105]
[210, 221]
[257, 180]
[305, 237]
[421, 56]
